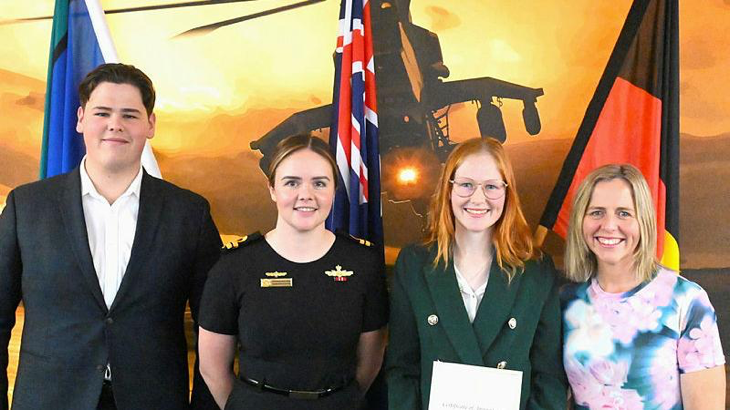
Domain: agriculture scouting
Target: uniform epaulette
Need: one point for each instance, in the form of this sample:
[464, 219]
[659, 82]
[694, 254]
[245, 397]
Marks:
[242, 241]
[361, 241]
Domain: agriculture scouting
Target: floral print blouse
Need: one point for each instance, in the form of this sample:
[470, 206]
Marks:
[627, 350]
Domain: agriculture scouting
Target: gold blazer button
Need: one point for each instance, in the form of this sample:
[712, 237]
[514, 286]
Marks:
[501, 365]
[512, 323]
[433, 320]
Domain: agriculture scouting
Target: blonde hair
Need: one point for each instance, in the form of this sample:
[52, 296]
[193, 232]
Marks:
[511, 235]
[580, 262]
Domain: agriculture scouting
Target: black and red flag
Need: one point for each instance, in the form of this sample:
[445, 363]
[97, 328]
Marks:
[633, 118]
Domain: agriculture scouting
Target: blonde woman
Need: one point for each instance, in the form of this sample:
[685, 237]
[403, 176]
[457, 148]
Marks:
[637, 335]
[474, 292]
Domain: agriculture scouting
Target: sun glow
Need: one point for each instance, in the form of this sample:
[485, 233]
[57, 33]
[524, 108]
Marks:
[408, 176]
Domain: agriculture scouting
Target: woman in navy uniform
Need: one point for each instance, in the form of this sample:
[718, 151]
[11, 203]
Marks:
[308, 307]
[475, 292]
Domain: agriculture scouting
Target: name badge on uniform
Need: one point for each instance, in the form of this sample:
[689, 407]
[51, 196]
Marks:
[338, 274]
[275, 280]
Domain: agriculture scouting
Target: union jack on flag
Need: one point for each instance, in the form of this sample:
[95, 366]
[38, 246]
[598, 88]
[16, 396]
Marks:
[354, 132]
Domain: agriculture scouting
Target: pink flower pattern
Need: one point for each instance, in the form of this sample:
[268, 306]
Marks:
[599, 385]
[665, 376]
[654, 338]
[699, 348]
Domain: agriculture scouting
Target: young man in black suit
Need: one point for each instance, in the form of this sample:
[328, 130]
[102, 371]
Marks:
[104, 259]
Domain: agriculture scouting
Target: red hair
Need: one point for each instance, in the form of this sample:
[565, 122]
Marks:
[511, 237]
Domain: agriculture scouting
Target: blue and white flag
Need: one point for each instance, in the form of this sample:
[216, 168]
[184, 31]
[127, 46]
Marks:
[80, 41]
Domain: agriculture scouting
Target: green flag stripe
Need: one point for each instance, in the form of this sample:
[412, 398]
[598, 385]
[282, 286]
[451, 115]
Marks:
[59, 42]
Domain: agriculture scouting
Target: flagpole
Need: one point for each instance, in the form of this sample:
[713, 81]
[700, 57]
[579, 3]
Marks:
[109, 52]
[103, 36]
[539, 236]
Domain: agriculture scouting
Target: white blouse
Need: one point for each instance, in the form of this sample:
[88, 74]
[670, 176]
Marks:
[472, 297]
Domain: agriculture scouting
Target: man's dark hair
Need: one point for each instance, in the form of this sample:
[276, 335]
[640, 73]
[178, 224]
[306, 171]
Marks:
[119, 74]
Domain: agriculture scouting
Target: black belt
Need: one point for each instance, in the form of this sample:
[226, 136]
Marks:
[295, 394]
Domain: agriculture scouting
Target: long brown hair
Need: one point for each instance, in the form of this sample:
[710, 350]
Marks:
[511, 236]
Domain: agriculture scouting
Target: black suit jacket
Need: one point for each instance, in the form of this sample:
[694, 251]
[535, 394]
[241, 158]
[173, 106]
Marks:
[69, 334]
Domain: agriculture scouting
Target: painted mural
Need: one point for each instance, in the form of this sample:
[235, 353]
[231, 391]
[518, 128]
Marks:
[221, 90]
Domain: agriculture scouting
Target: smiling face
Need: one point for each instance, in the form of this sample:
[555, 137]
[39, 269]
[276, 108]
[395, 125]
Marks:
[303, 190]
[610, 226]
[115, 126]
[477, 213]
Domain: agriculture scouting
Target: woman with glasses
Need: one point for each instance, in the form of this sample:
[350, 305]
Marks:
[307, 307]
[476, 292]
[637, 335]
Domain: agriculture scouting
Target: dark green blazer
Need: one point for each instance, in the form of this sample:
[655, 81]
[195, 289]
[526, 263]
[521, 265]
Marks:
[516, 326]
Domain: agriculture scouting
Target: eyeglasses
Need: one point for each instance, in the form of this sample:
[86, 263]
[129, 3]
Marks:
[493, 188]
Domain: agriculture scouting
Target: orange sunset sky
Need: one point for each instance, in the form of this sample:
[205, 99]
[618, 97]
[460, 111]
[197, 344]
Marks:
[275, 65]
[219, 91]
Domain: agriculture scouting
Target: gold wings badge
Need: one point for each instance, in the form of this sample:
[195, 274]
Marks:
[275, 280]
[339, 274]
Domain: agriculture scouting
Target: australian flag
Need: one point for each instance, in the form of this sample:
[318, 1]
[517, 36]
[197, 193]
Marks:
[354, 132]
[354, 140]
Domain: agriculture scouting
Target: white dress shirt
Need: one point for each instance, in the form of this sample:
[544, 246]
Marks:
[472, 297]
[111, 230]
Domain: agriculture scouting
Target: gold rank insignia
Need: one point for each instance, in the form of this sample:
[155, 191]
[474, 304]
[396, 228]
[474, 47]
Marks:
[361, 241]
[275, 274]
[234, 244]
[274, 280]
[338, 274]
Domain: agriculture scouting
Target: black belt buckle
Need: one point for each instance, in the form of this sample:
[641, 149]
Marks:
[255, 383]
[307, 395]
[294, 394]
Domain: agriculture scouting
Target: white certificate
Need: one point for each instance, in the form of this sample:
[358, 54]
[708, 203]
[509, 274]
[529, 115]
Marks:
[465, 387]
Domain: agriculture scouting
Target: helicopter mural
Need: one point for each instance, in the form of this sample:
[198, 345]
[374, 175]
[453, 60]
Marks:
[414, 101]
[414, 97]
[204, 133]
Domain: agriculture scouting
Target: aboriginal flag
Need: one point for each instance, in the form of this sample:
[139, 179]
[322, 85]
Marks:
[633, 118]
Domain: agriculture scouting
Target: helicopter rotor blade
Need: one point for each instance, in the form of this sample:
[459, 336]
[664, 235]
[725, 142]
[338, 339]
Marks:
[211, 27]
[134, 9]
